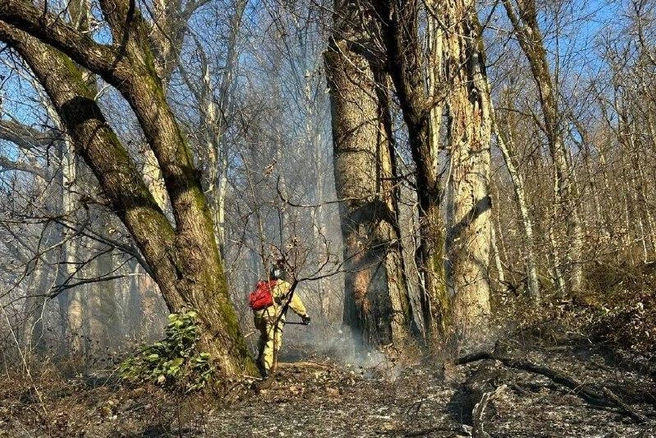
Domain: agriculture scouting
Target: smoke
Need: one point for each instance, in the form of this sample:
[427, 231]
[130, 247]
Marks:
[336, 345]
[325, 343]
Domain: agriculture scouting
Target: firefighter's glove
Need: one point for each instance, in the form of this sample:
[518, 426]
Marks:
[306, 319]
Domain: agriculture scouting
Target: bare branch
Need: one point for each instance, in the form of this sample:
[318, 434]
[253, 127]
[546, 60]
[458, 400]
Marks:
[50, 29]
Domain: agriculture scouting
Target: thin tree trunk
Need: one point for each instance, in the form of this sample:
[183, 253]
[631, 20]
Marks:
[497, 258]
[76, 309]
[596, 186]
[630, 164]
[527, 224]
[554, 243]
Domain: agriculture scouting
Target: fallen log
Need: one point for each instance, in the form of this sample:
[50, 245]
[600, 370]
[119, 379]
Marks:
[596, 395]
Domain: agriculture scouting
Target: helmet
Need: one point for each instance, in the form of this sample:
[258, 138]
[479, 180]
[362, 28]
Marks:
[277, 273]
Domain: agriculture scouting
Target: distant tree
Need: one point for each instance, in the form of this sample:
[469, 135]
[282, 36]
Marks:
[568, 268]
[505, 143]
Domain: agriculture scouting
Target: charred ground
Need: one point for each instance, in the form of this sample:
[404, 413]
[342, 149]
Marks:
[576, 371]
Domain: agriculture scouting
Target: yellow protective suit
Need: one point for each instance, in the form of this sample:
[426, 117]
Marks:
[270, 322]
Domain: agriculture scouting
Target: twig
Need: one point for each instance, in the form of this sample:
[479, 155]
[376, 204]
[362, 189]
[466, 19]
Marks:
[305, 364]
[26, 366]
[623, 405]
[430, 430]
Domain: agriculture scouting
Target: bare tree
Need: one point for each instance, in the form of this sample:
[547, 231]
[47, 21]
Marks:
[504, 141]
[524, 18]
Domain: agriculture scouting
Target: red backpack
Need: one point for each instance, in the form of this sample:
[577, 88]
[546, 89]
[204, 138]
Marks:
[261, 297]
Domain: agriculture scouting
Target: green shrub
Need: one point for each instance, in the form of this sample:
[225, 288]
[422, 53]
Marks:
[174, 362]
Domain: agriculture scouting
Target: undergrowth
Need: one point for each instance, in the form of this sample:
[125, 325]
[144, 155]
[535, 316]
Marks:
[616, 309]
[175, 362]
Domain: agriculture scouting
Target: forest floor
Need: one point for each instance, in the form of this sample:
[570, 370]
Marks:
[577, 373]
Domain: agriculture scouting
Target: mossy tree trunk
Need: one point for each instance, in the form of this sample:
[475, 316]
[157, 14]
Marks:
[182, 255]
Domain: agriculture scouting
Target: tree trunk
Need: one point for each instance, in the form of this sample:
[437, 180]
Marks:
[376, 305]
[470, 125]
[527, 223]
[420, 109]
[183, 258]
[75, 298]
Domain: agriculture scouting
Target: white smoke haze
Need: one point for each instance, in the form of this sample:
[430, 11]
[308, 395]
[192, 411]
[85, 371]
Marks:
[337, 346]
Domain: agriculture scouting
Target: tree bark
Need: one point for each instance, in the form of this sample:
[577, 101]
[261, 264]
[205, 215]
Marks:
[420, 108]
[469, 210]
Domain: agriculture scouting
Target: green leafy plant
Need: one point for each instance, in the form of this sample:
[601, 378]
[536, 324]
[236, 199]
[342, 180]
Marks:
[174, 362]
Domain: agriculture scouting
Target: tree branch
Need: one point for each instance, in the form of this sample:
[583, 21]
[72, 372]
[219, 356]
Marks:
[50, 29]
[23, 136]
[61, 288]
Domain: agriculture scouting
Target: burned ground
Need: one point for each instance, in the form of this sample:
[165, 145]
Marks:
[548, 379]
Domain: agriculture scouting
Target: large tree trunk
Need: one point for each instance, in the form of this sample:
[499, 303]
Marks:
[376, 303]
[470, 125]
[454, 69]
[183, 258]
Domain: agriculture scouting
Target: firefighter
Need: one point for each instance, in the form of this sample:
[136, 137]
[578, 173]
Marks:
[270, 320]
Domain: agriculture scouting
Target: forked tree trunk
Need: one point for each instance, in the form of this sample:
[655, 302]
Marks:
[183, 258]
[421, 113]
